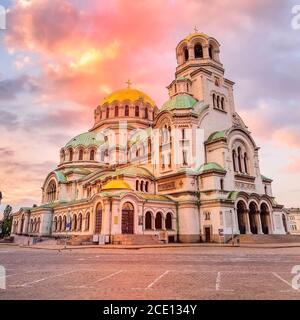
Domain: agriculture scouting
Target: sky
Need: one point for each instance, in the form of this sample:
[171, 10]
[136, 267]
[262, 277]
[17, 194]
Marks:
[59, 58]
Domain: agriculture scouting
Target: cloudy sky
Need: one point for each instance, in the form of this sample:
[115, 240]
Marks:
[59, 58]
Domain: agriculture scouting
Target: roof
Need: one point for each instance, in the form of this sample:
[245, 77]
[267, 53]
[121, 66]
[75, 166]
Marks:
[128, 94]
[116, 185]
[196, 34]
[266, 178]
[216, 135]
[85, 139]
[180, 101]
[60, 176]
[209, 167]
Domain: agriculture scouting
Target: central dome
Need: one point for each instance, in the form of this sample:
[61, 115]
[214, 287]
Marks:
[128, 94]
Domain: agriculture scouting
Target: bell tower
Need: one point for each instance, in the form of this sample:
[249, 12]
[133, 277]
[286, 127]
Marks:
[200, 73]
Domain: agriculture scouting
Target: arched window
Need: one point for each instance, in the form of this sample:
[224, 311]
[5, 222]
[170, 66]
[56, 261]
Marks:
[64, 224]
[107, 112]
[221, 184]
[198, 51]
[79, 222]
[137, 111]
[222, 103]
[169, 221]
[158, 221]
[214, 100]
[71, 153]
[59, 227]
[54, 224]
[142, 186]
[210, 51]
[146, 113]
[234, 160]
[51, 191]
[186, 54]
[116, 111]
[148, 221]
[147, 186]
[74, 224]
[239, 159]
[80, 155]
[92, 155]
[137, 185]
[245, 162]
[126, 111]
[87, 221]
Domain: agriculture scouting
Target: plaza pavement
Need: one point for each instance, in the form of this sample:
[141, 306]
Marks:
[173, 272]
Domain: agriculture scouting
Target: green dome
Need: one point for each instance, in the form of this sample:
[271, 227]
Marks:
[85, 139]
[180, 101]
[210, 166]
[216, 135]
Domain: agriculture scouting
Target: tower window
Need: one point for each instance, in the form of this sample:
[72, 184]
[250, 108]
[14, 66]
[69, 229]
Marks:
[92, 155]
[221, 184]
[116, 111]
[222, 103]
[137, 185]
[107, 112]
[186, 54]
[126, 111]
[146, 113]
[198, 51]
[137, 111]
[214, 100]
[210, 51]
[71, 155]
[233, 160]
[80, 155]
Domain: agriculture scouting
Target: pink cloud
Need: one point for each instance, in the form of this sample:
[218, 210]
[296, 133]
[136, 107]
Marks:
[292, 167]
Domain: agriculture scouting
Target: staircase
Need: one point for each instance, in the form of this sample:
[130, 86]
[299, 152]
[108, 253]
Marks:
[79, 240]
[135, 239]
[268, 238]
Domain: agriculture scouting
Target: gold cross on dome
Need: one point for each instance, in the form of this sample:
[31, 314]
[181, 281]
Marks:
[129, 83]
[195, 29]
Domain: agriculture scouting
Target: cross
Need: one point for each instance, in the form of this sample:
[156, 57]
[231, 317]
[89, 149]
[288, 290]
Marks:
[195, 29]
[129, 83]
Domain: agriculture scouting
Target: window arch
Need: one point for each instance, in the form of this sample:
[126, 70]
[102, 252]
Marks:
[169, 221]
[148, 220]
[137, 111]
[92, 155]
[51, 191]
[146, 113]
[126, 111]
[198, 51]
[158, 221]
[137, 183]
[147, 186]
[71, 154]
[87, 221]
[210, 51]
[116, 111]
[80, 157]
[107, 112]
[79, 222]
[142, 186]
[186, 54]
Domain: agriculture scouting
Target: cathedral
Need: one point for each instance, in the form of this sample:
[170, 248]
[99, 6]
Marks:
[186, 171]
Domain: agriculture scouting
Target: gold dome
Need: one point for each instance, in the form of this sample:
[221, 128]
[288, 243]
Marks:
[128, 94]
[194, 35]
[116, 185]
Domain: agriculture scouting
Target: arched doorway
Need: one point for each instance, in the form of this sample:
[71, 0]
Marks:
[98, 220]
[241, 209]
[127, 218]
[158, 221]
[148, 220]
[264, 214]
[252, 218]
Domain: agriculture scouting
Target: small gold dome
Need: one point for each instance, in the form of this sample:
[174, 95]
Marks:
[116, 185]
[128, 94]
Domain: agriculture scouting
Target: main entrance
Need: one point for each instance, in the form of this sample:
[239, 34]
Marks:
[98, 222]
[127, 218]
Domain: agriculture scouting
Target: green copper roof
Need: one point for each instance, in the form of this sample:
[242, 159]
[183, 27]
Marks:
[86, 139]
[181, 78]
[266, 178]
[60, 176]
[210, 166]
[180, 101]
[233, 195]
[216, 135]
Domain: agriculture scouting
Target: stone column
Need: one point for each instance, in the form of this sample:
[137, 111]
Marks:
[191, 52]
[205, 51]
[246, 215]
[258, 221]
[26, 223]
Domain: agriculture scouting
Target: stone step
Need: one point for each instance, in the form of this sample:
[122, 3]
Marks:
[135, 239]
[268, 238]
